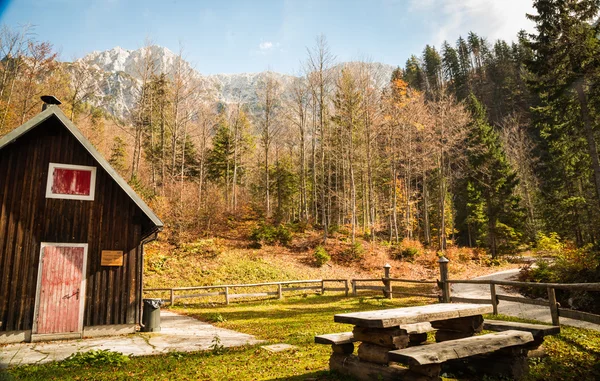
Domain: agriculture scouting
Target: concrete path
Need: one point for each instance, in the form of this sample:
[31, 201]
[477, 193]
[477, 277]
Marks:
[179, 333]
[524, 311]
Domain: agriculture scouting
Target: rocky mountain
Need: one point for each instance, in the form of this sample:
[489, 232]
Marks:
[114, 77]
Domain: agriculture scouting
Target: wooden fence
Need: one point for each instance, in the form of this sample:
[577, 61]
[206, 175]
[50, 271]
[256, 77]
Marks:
[385, 285]
[226, 290]
[556, 311]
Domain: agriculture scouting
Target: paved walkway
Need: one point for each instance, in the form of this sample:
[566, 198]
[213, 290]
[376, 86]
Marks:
[524, 311]
[179, 333]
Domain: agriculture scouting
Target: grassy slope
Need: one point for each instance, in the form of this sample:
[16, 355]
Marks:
[573, 355]
[233, 260]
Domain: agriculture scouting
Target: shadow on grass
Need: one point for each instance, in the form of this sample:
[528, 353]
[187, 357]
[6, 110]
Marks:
[299, 309]
[322, 375]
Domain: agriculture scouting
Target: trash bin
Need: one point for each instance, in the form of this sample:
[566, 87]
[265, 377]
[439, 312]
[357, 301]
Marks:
[151, 315]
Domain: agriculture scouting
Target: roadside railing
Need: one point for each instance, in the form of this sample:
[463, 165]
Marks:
[556, 310]
[227, 290]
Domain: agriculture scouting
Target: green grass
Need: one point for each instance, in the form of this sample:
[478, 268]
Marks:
[573, 355]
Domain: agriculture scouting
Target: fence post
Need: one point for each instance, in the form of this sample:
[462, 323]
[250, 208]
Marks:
[553, 306]
[172, 297]
[387, 284]
[322, 287]
[494, 298]
[346, 286]
[354, 287]
[443, 262]
[227, 295]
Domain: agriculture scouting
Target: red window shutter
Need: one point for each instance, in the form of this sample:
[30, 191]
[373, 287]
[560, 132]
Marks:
[72, 182]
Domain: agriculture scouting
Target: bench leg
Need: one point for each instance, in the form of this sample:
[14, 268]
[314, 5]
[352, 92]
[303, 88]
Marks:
[344, 349]
[417, 338]
[459, 328]
[510, 363]
[423, 373]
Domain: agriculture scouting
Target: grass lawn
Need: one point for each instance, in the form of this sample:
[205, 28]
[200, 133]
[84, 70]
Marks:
[573, 355]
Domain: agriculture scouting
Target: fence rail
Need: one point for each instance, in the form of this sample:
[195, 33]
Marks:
[388, 289]
[555, 308]
[318, 285]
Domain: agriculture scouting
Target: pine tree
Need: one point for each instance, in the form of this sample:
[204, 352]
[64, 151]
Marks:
[433, 70]
[413, 74]
[219, 162]
[492, 185]
[566, 64]
[117, 155]
[451, 66]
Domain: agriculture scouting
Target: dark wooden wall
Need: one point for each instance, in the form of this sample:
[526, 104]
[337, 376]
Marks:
[111, 222]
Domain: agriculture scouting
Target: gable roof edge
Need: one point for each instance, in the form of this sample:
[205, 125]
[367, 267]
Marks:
[56, 111]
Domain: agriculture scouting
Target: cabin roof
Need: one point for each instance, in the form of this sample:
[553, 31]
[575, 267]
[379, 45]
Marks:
[53, 110]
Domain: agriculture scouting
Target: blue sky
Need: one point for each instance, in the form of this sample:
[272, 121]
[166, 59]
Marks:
[230, 36]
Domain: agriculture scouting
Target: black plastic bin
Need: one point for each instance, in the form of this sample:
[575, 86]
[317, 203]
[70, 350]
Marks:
[151, 316]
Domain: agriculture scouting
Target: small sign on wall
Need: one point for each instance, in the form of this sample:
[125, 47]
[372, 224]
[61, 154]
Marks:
[112, 258]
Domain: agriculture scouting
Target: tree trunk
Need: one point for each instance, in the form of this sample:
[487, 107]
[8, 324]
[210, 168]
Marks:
[589, 135]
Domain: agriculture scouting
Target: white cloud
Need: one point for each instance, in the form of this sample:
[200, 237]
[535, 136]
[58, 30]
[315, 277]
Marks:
[494, 19]
[266, 45]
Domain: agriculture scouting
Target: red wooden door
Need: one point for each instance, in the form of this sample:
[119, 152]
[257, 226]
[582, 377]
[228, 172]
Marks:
[60, 294]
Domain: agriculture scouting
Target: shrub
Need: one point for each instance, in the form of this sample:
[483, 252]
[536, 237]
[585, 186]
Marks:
[355, 252]
[461, 254]
[216, 318]
[265, 234]
[203, 248]
[95, 357]
[573, 265]
[284, 236]
[406, 250]
[157, 264]
[548, 245]
[321, 256]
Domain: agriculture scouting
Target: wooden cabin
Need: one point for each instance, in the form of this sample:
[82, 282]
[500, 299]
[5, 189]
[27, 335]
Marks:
[72, 235]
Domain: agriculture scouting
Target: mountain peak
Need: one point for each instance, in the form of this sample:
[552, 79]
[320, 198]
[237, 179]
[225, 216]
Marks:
[118, 77]
[118, 59]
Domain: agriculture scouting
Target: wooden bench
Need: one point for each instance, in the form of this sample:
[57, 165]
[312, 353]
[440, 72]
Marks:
[343, 342]
[539, 331]
[426, 360]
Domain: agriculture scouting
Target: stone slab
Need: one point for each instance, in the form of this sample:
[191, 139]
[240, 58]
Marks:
[279, 347]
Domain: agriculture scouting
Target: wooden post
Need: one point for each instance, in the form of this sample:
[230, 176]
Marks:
[494, 298]
[280, 291]
[387, 284]
[354, 287]
[443, 262]
[346, 285]
[227, 295]
[172, 297]
[553, 306]
[322, 287]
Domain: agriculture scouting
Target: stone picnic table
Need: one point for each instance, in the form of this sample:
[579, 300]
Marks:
[392, 336]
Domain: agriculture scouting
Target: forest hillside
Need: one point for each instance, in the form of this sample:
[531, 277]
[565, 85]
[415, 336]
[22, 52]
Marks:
[490, 145]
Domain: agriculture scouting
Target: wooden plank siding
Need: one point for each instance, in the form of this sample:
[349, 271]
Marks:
[111, 222]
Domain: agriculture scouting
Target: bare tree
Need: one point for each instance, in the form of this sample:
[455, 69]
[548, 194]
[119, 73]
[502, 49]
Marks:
[268, 92]
[520, 150]
[318, 64]
[82, 86]
[450, 128]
